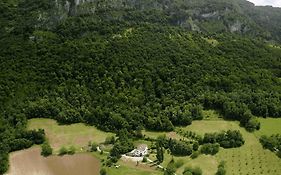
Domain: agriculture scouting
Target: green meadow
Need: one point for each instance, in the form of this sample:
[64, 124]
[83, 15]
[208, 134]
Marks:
[269, 126]
[250, 159]
[77, 135]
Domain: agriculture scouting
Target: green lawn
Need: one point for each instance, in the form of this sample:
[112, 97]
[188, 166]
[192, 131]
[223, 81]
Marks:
[66, 135]
[269, 126]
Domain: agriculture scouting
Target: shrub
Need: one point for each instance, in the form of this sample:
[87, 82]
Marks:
[63, 151]
[195, 154]
[71, 150]
[192, 171]
[46, 149]
[144, 159]
[210, 148]
[93, 147]
[103, 171]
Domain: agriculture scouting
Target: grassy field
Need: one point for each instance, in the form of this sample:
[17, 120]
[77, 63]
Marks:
[128, 168]
[154, 135]
[77, 135]
[269, 126]
[249, 159]
[204, 126]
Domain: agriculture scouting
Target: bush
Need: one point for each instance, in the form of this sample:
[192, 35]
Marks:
[195, 154]
[93, 147]
[63, 151]
[109, 140]
[210, 148]
[71, 150]
[144, 159]
[46, 149]
[180, 148]
[103, 171]
[192, 171]
[221, 169]
[179, 163]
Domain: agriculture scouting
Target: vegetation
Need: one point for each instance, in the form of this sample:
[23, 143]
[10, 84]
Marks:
[210, 148]
[273, 143]
[77, 134]
[46, 149]
[122, 145]
[221, 169]
[139, 65]
[103, 171]
[192, 171]
[70, 151]
[160, 152]
[228, 139]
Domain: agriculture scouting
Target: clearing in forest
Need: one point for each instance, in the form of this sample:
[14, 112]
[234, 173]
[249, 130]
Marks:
[249, 159]
[77, 135]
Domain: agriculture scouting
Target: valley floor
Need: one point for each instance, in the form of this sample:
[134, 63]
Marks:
[249, 159]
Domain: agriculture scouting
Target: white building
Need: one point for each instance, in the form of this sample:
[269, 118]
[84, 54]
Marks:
[141, 151]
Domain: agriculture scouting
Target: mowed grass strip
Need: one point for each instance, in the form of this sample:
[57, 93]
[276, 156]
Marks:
[269, 126]
[77, 135]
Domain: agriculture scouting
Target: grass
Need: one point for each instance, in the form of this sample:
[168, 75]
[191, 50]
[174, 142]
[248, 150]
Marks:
[269, 126]
[77, 135]
[204, 126]
[154, 135]
[249, 159]
[128, 168]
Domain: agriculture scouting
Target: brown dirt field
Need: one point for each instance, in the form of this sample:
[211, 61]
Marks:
[30, 162]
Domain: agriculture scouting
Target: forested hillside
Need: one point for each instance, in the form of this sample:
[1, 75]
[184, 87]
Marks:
[134, 65]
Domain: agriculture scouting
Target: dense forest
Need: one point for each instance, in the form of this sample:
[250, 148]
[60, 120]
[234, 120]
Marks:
[132, 65]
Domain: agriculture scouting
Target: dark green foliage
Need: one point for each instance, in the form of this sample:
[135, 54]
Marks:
[159, 152]
[171, 168]
[122, 145]
[46, 149]
[63, 151]
[19, 144]
[210, 148]
[109, 140]
[138, 66]
[228, 139]
[144, 159]
[195, 154]
[93, 146]
[195, 146]
[103, 171]
[221, 169]
[71, 150]
[180, 148]
[192, 171]
[273, 143]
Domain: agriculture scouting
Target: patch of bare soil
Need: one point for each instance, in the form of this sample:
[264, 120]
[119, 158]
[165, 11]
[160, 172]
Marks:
[30, 162]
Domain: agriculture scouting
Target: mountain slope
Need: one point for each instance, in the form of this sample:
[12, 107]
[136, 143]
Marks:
[134, 64]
